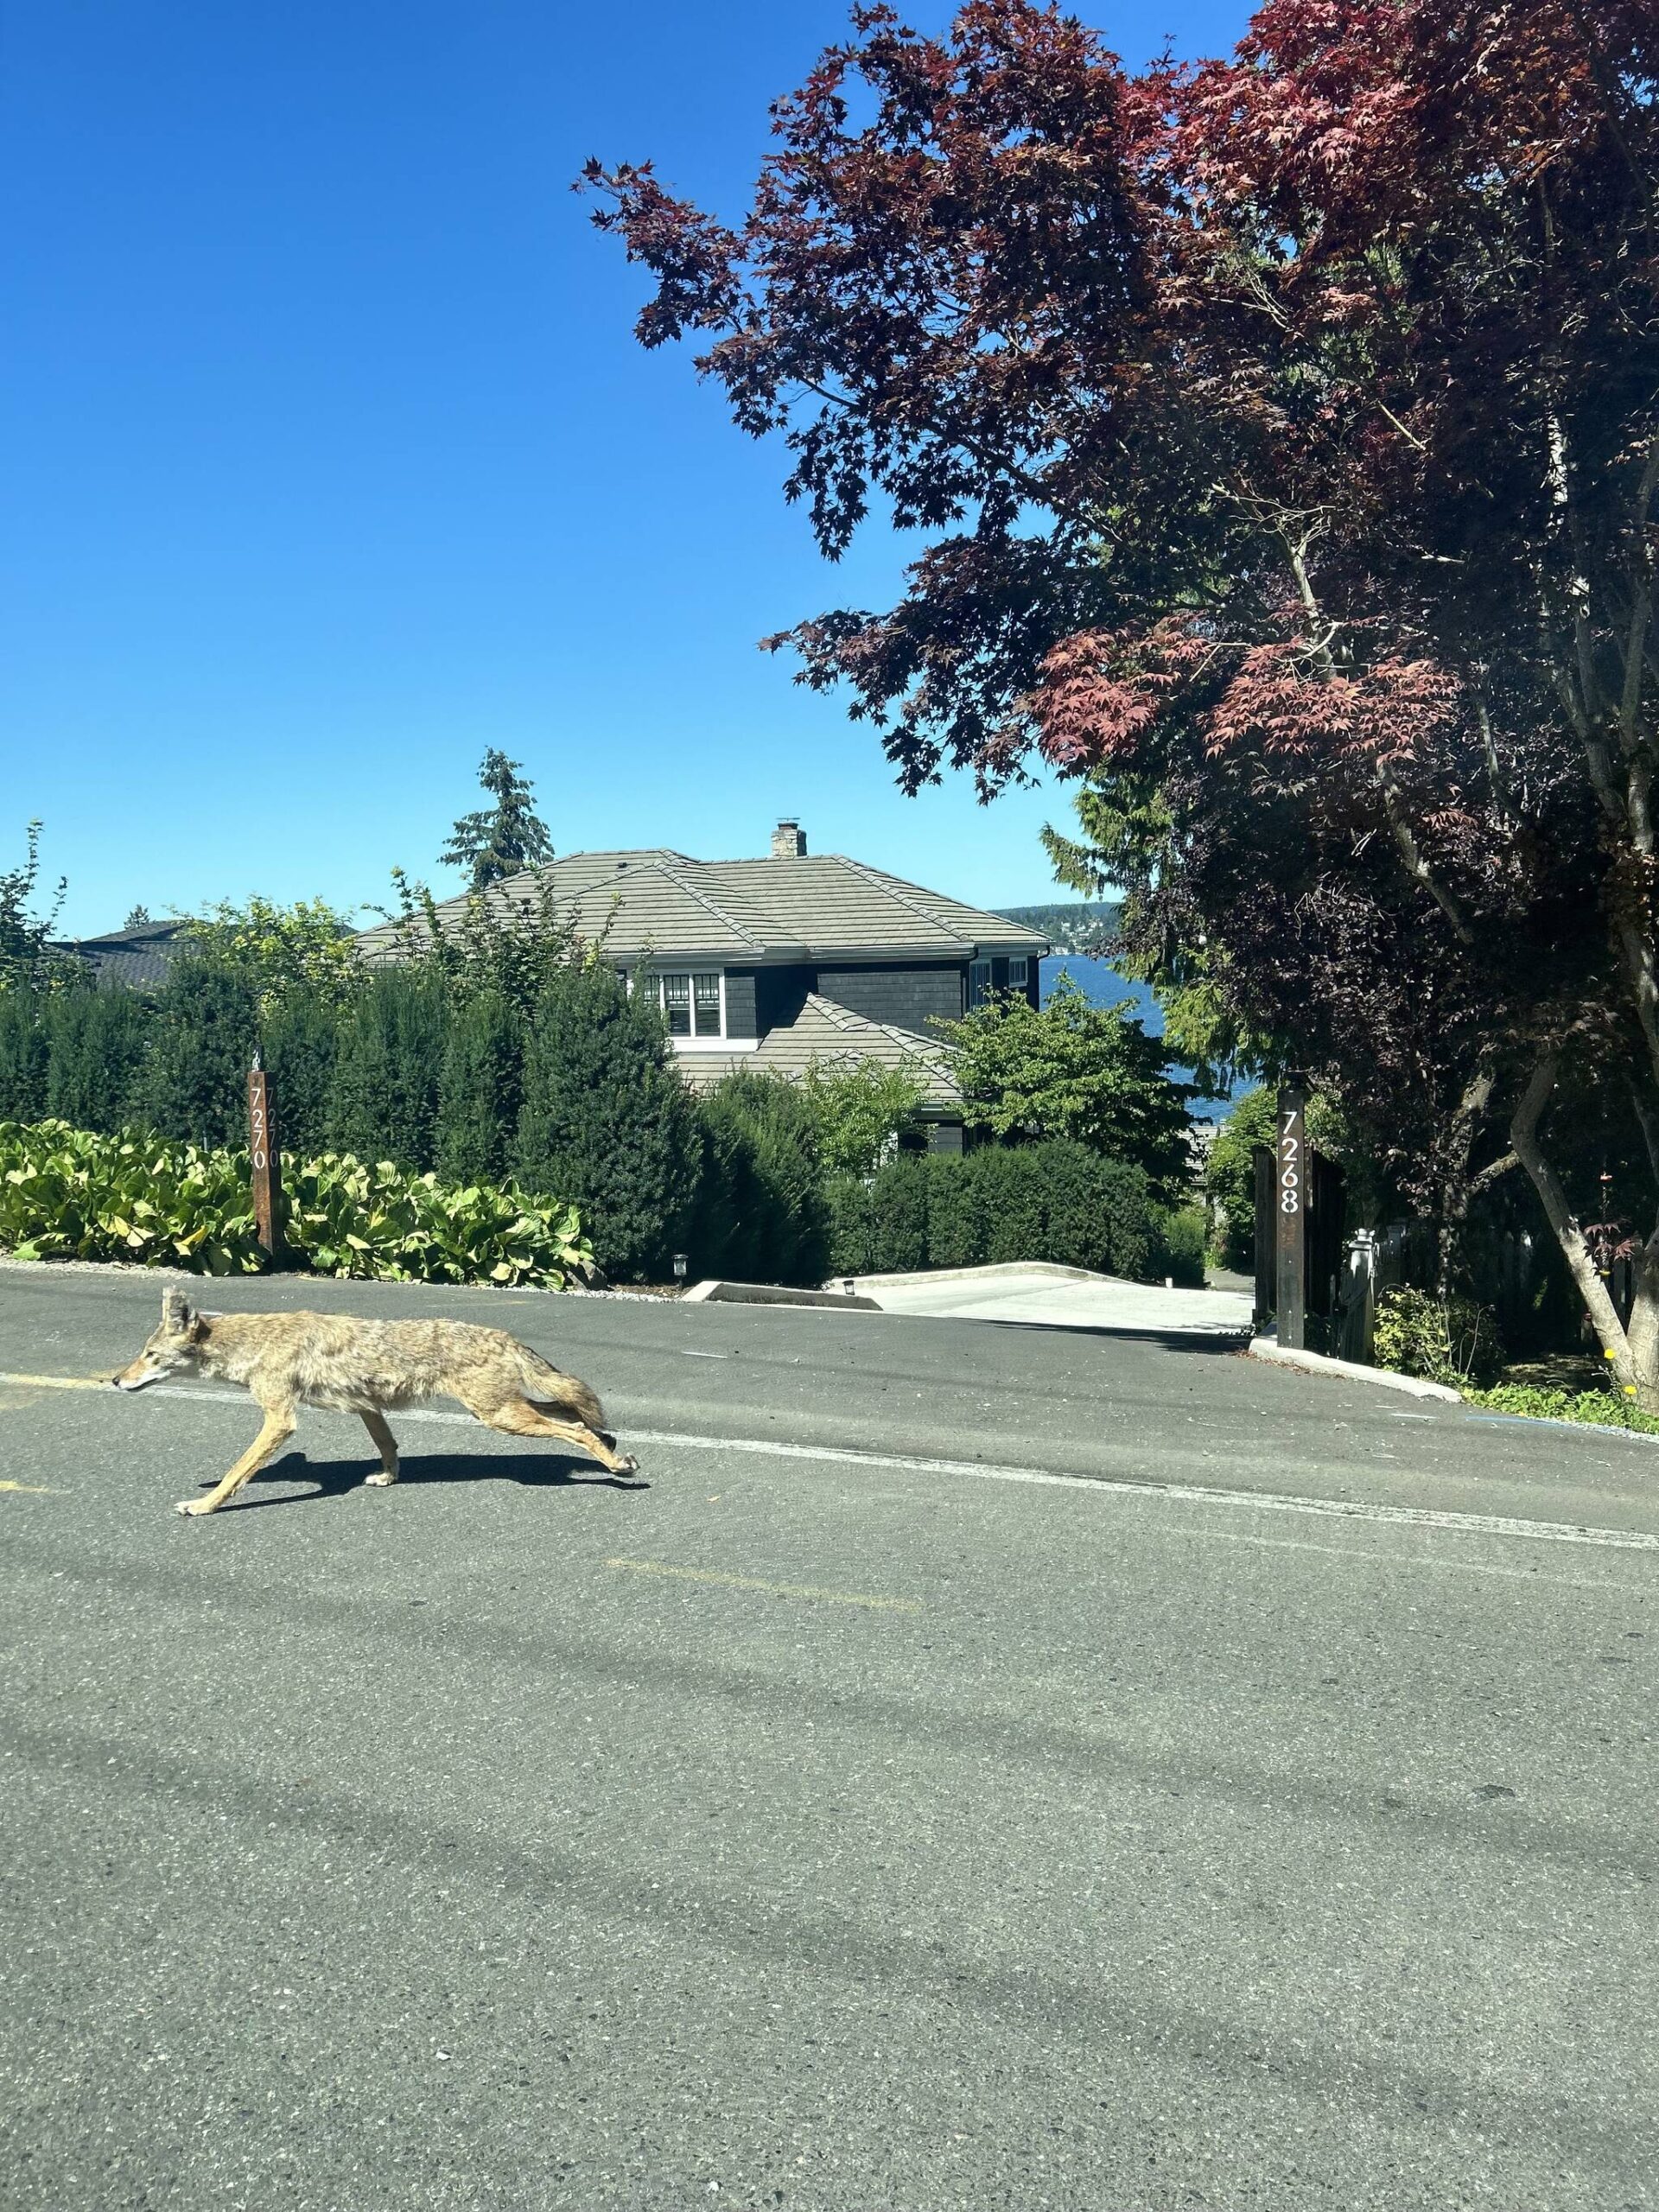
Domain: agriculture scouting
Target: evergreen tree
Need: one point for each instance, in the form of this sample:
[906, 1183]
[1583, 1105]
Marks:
[95, 1046]
[384, 1100]
[299, 1037]
[606, 1122]
[193, 1086]
[23, 1058]
[501, 840]
[479, 1090]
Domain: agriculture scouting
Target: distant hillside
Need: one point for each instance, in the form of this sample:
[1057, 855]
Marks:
[1080, 926]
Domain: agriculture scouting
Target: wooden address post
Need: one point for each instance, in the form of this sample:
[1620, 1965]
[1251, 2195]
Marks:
[1291, 1187]
[266, 1163]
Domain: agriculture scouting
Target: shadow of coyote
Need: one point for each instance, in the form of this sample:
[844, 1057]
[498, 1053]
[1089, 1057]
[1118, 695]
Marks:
[371, 1367]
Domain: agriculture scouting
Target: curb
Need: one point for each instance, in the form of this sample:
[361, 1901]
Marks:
[1350, 1371]
[770, 1294]
[999, 1270]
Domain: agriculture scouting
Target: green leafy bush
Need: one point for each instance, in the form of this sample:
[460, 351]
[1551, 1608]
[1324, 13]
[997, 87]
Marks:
[898, 1202]
[863, 1110]
[1183, 1236]
[72, 1194]
[1455, 1342]
[1601, 1409]
[347, 1218]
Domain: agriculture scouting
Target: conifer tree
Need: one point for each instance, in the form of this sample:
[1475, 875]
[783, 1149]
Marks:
[193, 1086]
[384, 1102]
[479, 1090]
[606, 1122]
[501, 840]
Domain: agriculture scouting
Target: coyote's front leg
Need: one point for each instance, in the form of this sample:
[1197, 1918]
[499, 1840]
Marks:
[386, 1445]
[279, 1425]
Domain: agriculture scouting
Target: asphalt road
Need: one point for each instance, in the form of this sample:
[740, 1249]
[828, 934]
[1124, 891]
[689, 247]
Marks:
[1262, 1817]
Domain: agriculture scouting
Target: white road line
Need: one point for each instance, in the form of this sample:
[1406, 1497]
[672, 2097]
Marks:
[1249, 1501]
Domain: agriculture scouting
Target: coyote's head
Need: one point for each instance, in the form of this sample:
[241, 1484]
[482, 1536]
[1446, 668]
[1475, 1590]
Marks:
[172, 1346]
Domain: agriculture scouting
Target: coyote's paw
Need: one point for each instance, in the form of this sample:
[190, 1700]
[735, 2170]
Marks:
[193, 1506]
[383, 1480]
[627, 1464]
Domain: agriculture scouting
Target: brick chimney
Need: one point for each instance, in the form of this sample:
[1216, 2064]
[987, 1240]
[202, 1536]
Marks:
[789, 841]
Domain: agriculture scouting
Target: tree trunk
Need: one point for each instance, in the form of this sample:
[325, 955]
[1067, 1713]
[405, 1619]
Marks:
[1633, 1356]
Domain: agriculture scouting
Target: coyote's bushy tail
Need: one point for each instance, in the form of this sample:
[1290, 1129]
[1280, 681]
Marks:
[545, 1386]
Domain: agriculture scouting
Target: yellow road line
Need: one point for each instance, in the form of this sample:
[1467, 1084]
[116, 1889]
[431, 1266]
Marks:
[771, 1589]
[59, 1382]
[30, 1489]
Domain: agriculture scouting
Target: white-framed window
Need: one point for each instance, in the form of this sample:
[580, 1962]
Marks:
[1019, 973]
[979, 982]
[693, 1003]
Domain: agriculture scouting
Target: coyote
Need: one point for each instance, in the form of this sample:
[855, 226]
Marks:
[289, 1360]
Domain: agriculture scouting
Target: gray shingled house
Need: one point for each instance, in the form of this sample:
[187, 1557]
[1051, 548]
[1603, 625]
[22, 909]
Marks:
[772, 964]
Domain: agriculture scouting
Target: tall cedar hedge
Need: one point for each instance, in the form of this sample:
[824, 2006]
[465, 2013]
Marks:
[1058, 1202]
[299, 1037]
[762, 1214]
[201, 1038]
[95, 1044]
[384, 1099]
[607, 1123]
[23, 1058]
[479, 1089]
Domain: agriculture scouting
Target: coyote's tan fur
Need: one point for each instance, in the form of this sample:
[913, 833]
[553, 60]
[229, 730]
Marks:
[371, 1367]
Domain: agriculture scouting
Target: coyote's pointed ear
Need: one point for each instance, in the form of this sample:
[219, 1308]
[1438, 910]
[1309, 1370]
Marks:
[178, 1315]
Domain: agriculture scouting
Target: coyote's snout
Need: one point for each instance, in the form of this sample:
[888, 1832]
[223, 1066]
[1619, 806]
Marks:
[371, 1367]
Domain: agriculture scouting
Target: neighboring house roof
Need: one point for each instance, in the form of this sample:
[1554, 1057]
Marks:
[139, 958]
[833, 1036]
[792, 908]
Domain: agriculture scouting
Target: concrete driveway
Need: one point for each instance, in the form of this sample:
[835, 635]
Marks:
[1046, 1297]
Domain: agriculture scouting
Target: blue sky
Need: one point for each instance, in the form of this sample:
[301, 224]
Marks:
[330, 459]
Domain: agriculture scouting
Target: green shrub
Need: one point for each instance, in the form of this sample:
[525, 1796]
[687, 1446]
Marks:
[763, 1212]
[851, 1226]
[1009, 1189]
[898, 1206]
[23, 1057]
[384, 1098]
[72, 1194]
[1058, 1202]
[957, 1225]
[1182, 1237]
[299, 1035]
[608, 1122]
[479, 1089]
[95, 1047]
[1602, 1408]
[863, 1111]
[349, 1216]
[1097, 1213]
[193, 1088]
[1455, 1342]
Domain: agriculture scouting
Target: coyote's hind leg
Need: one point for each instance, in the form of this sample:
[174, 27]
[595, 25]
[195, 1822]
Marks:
[386, 1445]
[518, 1417]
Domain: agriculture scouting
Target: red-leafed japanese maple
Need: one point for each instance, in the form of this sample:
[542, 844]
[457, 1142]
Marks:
[1287, 432]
